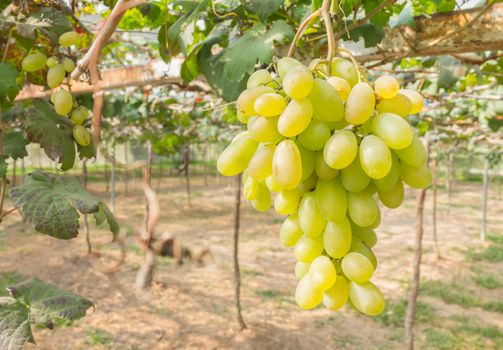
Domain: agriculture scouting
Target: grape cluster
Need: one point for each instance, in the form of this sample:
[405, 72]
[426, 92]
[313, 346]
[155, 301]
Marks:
[329, 146]
[62, 99]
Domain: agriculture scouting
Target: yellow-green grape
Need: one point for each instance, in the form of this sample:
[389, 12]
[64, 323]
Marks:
[358, 246]
[68, 64]
[272, 184]
[63, 102]
[362, 208]
[416, 177]
[55, 75]
[298, 82]
[322, 273]
[301, 269]
[315, 135]
[323, 171]
[327, 104]
[287, 164]
[246, 100]
[242, 118]
[344, 69]
[414, 154]
[235, 158]
[377, 221]
[366, 234]
[318, 66]
[386, 86]
[251, 188]
[415, 98]
[79, 115]
[341, 86]
[308, 159]
[331, 198]
[260, 77]
[338, 125]
[270, 105]
[264, 129]
[308, 248]
[389, 181]
[337, 296]
[52, 61]
[34, 62]
[295, 118]
[309, 183]
[400, 105]
[375, 157]
[340, 149]
[260, 166]
[81, 135]
[306, 296]
[262, 202]
[366, 298]
[360, 104]
[311, 219]
[353, 177]
[290, 231]
[394, 197]
[357, 267]
[287, 201]
[393, 130]
[285, 64]
[70, 38]
[337, 238]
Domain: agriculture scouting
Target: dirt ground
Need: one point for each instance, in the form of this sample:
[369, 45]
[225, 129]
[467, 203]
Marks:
[192, 306]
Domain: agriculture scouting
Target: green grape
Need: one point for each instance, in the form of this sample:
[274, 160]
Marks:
[306, 296]
[287, 164]
[235, 158]
[386, 86]
[415, 98]
[327, 104]
[357, 267]
[393, 130]
[246, 100]
[360, 104]
[337, 238]
[366, 298]
[287, 201]
[308, 184]
[301, 269]
[298, 82]
[242, 118]
[375, 157]
[322, 273]
[362, 208]
[400, 105]
[340, 149]
[323, 171]
[262, 202]
[272, 184]
[52, 61]
[337, 296]
[270, 104]
[308, 159]
[331, 198]
[389, 181]
[79, 115]
[358, 246]
[319, 67]
[366, 234]
[311, 218]
[416, 177]
[377, 221]
[393, 198]
[251, 188]
[290, 231]
[295, 118]
[70, 38]
[55, 75]
[341, 86]
[34, 62]
[344, 69]
[81, 135]
[353, 177]
[69, 65]
[308, 248]
[264, 129]
[315, 135]
[285, 64]
[370, 190]
[260, 77]
[414, 154]
[260, 166]
[338, 125]
[63, 102]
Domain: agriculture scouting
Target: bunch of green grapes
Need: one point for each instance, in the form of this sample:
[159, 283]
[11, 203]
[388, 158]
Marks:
[329, 146]
[58, 68]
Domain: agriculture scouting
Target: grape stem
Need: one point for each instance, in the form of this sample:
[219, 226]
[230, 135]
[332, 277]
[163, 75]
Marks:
[325, 12]
[301, 29]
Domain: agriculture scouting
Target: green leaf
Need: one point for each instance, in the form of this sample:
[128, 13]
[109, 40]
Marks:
[263, 8]
[104, 214]
[9, 278]
[450, 70]
[371, 34]
[15, 329]
[51, 204]
[14, 144]
[9, 87]
[381, 18]
[3, 165]
[405, 18]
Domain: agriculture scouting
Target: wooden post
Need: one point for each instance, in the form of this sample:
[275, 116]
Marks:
[237, 278]
[484, 200]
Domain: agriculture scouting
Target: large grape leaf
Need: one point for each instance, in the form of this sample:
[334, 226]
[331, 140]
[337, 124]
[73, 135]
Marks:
[263, 8]
[52, 203]
[9, 86]
[14, 144]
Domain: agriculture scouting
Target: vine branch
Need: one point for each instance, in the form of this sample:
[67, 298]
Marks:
[301, 29]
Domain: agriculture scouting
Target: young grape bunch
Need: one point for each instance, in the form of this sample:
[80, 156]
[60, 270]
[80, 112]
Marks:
[324, 150]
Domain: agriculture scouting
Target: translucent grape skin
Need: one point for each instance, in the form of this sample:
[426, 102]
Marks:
[63, 102]
[358, 246]
[393, 130]
[246, 100]
[327, 104]
[285, 64]
[298, 82]
[262, 202]
[414, 154]
[260, 165]
[360, 104]
[55, 75]
[290, 231]
[272, 184]
[308, 248]
[375, 157]
[357, 267]
[68, 64]
[235, 158]
[399, 104]
[311, 220]
[366, 234]
[323, 171]
[416, 177]
[69, 38]
[394, 197]
[51, 61]
[301, 269]
[295, 118]
[362, 208]
[260, 77]
[81, 135]
[264, 129]
[287, 201]
[388, 182]
[341, 86]
[366, 298]
[306, 296]
[315, 135]
[308, 159]
[322, 273]
[337, 296]
[34, 62]
[415, 98]
[270, 104]
[287, 164]
[250, 187]
[331, 199]
[337, 238]
[340, 149]
[353, 177]
[79, 115]
[386, 86]
[344, 69]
